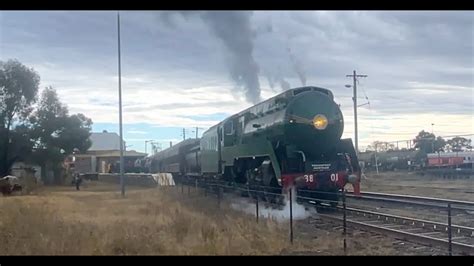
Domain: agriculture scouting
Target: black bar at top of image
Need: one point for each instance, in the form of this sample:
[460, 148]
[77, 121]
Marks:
[238, 5]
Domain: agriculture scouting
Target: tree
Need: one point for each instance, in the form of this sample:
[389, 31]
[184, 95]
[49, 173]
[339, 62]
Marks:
[75, 133]
[428, 142]
[459, 144]
[380, 146]
[18, 89]
[44, 136]
[55, 133]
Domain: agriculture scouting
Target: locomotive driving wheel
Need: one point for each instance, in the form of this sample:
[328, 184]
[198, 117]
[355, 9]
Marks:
[271, 190]
[253, 186]
[273, 193]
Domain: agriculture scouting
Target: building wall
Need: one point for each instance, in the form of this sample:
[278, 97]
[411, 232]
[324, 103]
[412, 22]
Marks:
[103, 164]
[83, 164]
[26, 172]
[94, 164]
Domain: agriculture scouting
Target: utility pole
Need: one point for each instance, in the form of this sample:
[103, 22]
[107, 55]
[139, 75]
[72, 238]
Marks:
[146, 142]
[197, 130]
[122, 183]
[376, 161]
[354, 98]
[184, 133]
[155, 145]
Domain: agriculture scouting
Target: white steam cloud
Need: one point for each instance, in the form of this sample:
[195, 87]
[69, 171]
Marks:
[281, 215]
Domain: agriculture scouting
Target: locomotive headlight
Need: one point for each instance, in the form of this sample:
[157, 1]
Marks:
[320, 122]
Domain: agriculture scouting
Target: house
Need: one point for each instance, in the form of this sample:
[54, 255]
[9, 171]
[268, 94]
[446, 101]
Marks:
[104, 155]
[28, 172]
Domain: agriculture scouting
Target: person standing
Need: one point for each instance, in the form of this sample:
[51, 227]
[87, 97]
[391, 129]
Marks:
[77, 180]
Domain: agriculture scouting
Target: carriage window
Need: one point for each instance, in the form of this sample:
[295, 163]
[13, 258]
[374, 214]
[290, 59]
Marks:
[229, 128]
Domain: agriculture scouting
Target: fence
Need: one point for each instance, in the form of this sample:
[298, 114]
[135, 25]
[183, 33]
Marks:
[217, 190]
[272, 196]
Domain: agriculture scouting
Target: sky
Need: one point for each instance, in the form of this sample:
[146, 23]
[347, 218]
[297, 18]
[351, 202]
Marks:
[192, 69]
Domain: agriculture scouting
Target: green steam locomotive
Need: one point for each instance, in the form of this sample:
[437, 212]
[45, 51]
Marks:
[290, 140]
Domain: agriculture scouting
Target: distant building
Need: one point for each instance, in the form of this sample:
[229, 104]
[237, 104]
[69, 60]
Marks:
[25, 171]
[105, 141]
[104, 155]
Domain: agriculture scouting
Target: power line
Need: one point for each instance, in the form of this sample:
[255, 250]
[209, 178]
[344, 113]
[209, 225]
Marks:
[452, 136]
[183, 134]
[365, 94]
[343, 96]
[197, 130]
[445, 136]
[410, 142]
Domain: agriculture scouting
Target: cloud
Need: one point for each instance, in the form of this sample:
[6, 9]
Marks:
[175, 68]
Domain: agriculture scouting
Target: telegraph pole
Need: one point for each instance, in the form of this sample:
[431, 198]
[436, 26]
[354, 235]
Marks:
[184, 133]
[122, 183]
[146, 142]
[197, 130]
[354, 98]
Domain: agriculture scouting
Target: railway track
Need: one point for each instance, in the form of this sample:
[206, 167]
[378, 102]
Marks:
[416, 230]
[414, 200]
[399, 245]
[420, 231]
[434, 209]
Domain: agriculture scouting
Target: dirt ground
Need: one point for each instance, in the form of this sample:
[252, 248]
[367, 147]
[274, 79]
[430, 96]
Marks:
[410, 183]
[158, 221]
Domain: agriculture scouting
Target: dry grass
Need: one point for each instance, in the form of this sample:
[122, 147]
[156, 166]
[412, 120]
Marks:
[97, 221]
